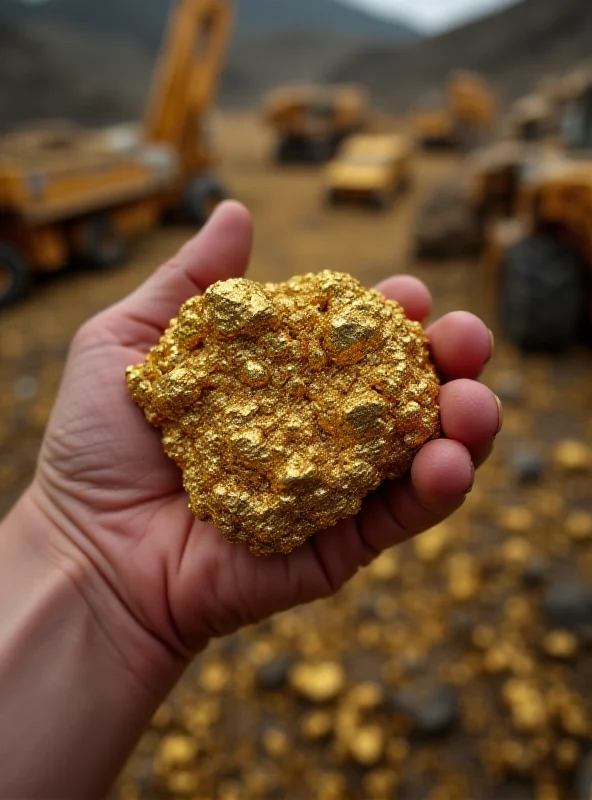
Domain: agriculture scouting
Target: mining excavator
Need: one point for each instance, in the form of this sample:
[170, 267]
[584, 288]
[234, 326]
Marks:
[67, 193]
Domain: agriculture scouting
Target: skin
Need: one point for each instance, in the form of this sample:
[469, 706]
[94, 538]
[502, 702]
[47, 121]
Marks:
[109, 586]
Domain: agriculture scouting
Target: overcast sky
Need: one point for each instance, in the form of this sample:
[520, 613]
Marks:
[433, 15]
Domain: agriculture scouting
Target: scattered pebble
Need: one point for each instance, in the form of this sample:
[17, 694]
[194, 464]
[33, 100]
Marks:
[318, 683]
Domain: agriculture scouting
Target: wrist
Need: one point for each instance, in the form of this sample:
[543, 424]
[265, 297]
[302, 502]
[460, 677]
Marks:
[77, 674]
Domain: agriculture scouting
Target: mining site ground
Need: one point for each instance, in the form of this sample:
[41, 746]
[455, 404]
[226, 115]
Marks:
[457, 667]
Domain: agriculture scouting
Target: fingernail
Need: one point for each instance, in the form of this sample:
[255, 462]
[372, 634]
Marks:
[472, 484]
[492, 340]
[500, 411]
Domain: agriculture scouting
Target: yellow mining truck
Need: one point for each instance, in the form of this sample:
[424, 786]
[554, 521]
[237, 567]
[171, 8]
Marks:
[310, 122]
[459, 117]
[543, 268]
[68, 193]
[371, 169]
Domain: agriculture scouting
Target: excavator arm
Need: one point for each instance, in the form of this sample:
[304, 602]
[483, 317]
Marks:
[187, 76]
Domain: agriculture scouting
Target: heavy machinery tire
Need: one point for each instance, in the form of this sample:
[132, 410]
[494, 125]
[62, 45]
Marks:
[543, 296]
[103, 247]
[204, 194]
[285, 152]
[14, 276]
[321, 151]
[380, 200]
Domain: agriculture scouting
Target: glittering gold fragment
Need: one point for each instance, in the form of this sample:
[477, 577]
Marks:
[560, 644]
[516, 519]
[286, 404]
[318, 682]
[573, 456]
[430, 545]
[275, 742]
[579, 526]
[367, 745]
[174, 752]
[316, 725]
[463, 577]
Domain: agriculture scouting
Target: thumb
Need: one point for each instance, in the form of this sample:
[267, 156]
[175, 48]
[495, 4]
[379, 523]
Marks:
[219, 251]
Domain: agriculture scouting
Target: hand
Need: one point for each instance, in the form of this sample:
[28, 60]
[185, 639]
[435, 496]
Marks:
[117, 506]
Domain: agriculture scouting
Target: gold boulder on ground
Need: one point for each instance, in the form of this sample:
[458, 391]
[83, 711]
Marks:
[286, 404]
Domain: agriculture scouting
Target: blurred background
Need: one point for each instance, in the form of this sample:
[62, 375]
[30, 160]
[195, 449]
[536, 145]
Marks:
[451, 139]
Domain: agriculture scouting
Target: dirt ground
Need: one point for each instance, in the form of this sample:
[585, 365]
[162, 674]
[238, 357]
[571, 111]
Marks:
[456, 668]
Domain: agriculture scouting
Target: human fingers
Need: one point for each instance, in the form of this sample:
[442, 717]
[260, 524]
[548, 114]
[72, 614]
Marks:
[440, 478]
[410, 293]
[471, 414]
[461, 345]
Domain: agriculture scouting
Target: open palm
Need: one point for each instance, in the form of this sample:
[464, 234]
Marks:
[119, 504]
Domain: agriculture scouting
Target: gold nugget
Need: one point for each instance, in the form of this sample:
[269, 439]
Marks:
[285, 404]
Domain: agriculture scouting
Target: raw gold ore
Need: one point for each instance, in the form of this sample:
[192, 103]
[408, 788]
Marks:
[286, 404]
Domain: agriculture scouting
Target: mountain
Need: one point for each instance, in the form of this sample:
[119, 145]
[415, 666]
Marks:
[513, 48]
[143, 21]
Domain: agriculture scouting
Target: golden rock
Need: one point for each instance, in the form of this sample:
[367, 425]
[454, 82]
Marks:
[367, 745]
[175, 751]
[517, 550]
[286, 404]
[516, 519]
[366, 696]
[275, 742]
[431, 544]
[573, 456]
[385, 567]
[567, 753]
[526, 705]
[316, 725]
[318, 682]
[183, 782]
[560, 644]
[579, 526]
[463, 577]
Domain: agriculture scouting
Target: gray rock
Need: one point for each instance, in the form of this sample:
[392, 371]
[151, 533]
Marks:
[510, 388]
[527, 466]
[273, 675]
[568, 604]
[432, 708]
[535, 573]
[584, 779]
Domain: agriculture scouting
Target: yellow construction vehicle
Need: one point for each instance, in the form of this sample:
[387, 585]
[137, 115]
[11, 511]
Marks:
[457, 118]
[310, 122]
[531, 118]
[68, 193]
[543, 257]
[370, 169]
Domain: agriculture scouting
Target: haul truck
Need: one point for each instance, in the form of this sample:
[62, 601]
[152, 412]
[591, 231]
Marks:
[68, 193]
[459, 117]
[311, 122]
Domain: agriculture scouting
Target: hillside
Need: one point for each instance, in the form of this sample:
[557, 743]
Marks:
[93, 61]
[513, 48]
[143, 21]
[38, 79]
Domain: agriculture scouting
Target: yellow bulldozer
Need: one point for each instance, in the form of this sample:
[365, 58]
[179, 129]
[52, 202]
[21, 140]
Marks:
[311, 122]
[457, 118]
[67, 193]
[542, 257]
[370, 169]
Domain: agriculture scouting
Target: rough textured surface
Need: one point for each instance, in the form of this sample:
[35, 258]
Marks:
[285, 404]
